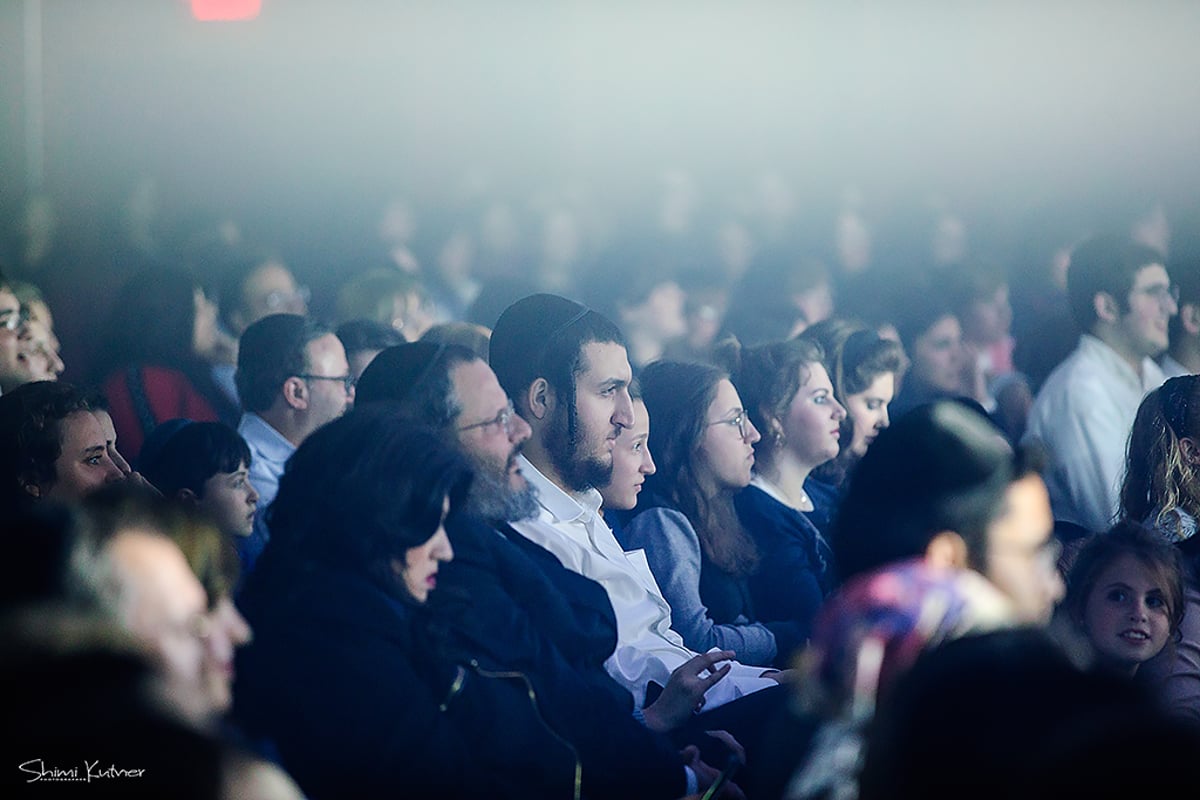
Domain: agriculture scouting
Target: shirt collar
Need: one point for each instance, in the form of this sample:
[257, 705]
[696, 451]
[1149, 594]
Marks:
[564, 507]
[1099, 349]
[270, 443]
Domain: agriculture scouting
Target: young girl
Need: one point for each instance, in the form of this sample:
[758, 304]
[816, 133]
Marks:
[1125, 593]
[1162, 491]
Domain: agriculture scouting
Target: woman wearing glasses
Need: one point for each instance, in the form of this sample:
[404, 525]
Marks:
[790, 398]
[685, 523]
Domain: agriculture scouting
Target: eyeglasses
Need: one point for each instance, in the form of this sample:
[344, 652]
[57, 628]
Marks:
[740, 420]
[12, 319]
[347, 381]
[1161, 292]
[504, 419]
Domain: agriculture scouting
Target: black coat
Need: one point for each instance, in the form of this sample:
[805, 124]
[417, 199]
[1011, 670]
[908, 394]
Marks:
[361, 699]
[515, 606]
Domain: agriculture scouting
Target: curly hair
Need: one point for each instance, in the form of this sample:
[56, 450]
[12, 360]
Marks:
[31, 418]
[1159, 477]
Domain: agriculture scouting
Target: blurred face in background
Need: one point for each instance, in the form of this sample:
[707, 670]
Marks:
[227, 631]
[12, 329]
[938, 356]
[868, 410]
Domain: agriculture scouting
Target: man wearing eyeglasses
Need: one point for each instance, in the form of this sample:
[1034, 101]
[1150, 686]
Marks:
[529, 612]
[12, 327]
[566, 369]
[1123, 299]
[292, 377]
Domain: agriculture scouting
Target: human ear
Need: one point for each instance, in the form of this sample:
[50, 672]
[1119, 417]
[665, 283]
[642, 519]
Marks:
[946, 550]
[541, 398]
[1189, 315]
[1190, 449]
[1106, 307]
[187, 496]
[295, 393]
[31, 488]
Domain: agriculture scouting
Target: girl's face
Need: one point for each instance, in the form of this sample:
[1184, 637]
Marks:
[230, 501]
[868, 410]
[812, 424]
[420, 567]
[631, 462]
[726, 452]
[1126, 616]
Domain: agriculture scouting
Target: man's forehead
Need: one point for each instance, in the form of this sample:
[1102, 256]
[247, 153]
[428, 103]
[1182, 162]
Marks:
[1150, 275]
[477, 385]
[604, 361]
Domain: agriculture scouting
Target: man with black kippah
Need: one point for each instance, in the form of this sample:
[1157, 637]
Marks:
[525, 610]
[568, 374]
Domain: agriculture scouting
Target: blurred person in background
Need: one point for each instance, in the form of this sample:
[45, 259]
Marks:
[364, 339]
[160, 343]
[1123, 298]
[1183, 355]
[388, 296]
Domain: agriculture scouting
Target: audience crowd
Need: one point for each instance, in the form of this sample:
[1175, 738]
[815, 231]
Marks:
[665, 518]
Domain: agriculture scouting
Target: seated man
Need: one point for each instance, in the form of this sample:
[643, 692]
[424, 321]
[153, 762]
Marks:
[293, 377]
[566, 369]
[527, 611]
[942, 485]
[1122, 298]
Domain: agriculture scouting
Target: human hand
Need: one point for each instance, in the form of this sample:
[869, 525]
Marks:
[782, 675]
[706, 774]
[684, 693]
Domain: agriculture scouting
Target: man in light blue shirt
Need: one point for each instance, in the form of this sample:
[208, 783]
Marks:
[292, 377]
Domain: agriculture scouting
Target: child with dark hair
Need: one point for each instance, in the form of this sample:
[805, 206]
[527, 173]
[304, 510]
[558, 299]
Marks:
[1125, 593]
[206, 465]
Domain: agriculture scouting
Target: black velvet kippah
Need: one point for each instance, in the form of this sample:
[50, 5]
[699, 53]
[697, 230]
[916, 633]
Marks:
[523, 333]
[396, 371]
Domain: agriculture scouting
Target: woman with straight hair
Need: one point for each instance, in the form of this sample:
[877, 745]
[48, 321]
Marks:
[685, 523]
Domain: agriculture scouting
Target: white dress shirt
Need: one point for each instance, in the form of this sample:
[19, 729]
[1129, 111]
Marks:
[570, 527]
[1083, 415]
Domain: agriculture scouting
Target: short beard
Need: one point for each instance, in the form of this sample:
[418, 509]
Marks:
[492, 498]
[562, 445]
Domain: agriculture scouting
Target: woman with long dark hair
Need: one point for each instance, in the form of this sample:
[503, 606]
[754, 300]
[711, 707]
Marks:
[349, 673]
[686, 524]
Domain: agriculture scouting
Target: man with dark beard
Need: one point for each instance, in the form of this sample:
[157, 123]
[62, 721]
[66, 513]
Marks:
[566, 369]
[510, 599]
